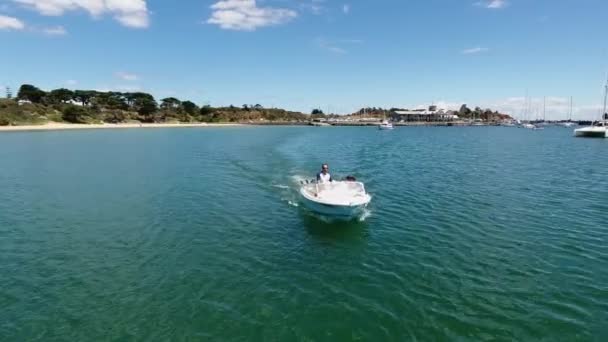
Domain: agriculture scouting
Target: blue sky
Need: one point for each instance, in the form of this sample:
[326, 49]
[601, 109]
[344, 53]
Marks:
[301, 54]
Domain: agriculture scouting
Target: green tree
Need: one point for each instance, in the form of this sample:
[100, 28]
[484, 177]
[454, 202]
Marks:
[464, 111]
[146, 106]
[206, 113]
[476, 113]
[84, 96]
[60, 96]
[75, 114]
[317, 112]
[170, 103]
[113, 100]
[30, 93]
[190, 107]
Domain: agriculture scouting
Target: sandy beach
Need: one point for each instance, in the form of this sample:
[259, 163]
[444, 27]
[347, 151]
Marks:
[66, 126]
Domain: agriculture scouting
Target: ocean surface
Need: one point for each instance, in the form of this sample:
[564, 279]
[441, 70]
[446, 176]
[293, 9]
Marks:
[473, 233]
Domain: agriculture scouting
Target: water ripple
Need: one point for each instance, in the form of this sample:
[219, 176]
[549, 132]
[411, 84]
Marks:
[475, 234]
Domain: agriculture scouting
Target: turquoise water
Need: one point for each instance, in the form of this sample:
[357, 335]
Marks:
[474, 233]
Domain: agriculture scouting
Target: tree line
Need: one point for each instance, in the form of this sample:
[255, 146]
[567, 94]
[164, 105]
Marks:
[464, 112]
[34, 105]
[91, 106]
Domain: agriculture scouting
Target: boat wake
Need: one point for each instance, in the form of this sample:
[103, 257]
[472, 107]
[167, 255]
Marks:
[365, 215]
[281, 186]
[297, 180]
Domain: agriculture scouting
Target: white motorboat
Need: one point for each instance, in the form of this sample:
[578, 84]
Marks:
[385, 125]
[343, 199]
[600, 128]
[528, 126]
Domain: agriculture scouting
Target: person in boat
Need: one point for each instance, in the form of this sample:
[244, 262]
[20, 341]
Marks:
[324, 176]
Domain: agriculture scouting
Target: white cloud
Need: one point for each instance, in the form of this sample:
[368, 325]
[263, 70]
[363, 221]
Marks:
[126, 76]
[10, 23]
[492, 4]
[119, 87]
[317, 7]
[130, 13]
[245, 15]
[352, 41]
[127, 88]
[336, 49]
[329, 46]
[474, 50]
[346, 8]
[55, 31]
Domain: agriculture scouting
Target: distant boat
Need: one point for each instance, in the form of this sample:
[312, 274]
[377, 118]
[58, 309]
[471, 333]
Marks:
[385, 125]
[569, 123]
[600, 128]
[528, 126]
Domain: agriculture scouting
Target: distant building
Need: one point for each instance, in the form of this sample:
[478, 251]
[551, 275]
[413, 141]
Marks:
[432, 114]
[368, 119]
[75, 103]
[22, 102]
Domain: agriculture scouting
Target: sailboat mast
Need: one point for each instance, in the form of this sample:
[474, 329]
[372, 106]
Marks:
[570, 118]
[526, 106]
[544, 107]
[605, 96]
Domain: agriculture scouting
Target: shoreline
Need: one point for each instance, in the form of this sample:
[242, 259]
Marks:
[58, 126]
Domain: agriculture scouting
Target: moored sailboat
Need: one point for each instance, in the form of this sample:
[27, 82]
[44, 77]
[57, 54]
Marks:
[600, 128]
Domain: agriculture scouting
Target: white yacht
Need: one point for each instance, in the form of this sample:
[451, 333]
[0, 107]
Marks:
[597, 130]
[600, 128]
[385, 125]
[528, 126]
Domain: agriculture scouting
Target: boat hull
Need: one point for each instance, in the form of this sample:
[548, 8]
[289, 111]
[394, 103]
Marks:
[591, 133]
[335, 211]
[342, 200]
